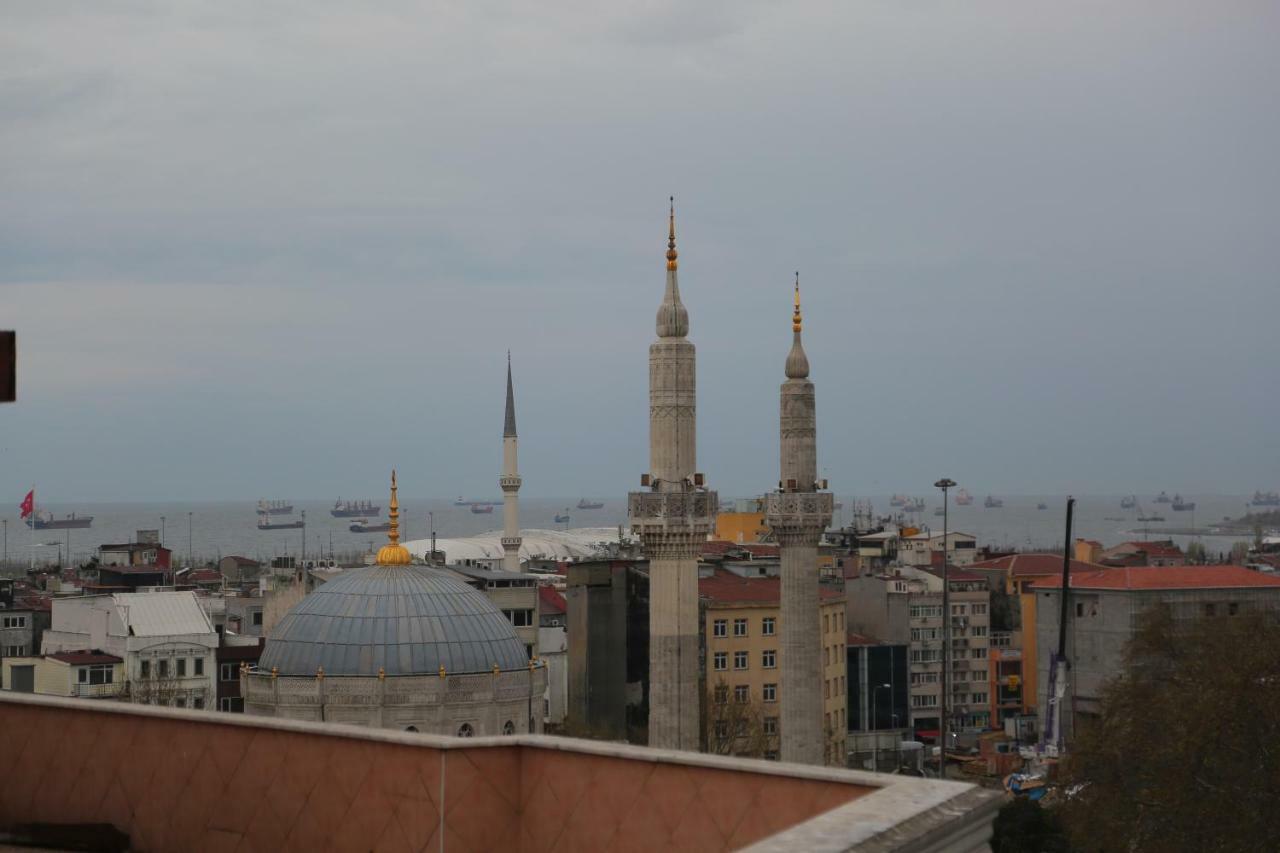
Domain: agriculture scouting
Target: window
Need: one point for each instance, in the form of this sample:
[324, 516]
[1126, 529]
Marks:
[742, 694]
[770, 725]
[508, 728]
[979, 653]
[979, 610]
[826, 656]
[826, 689]
[826, 624]
[740, 660]
[146, 669]
[722, 730]
[98, 673]
[15, 651]
[771, 755]
[720, 628]
[766, 626]
[227, 672]
[925, 701]
[179, 703]
[771, 693]
[198, 703]
[465, 730]
[979, 630]
[15, 622]
[769, 658]
[255, 618]
[721, 661]
[1233, 609]
[1080, 608]
[739, 627]
[979, 698]
[1210, 609]
[164, 669]
[234, 705]
[721, 694]
[199, 666]
[182, 667]
[522, 618]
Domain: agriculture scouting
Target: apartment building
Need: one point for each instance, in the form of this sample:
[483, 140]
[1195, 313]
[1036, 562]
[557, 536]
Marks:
[924, 549]
[906, 606]
[742, 625]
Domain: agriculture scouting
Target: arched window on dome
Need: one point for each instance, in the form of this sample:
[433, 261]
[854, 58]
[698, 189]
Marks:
[465, 730]
[508, 728]
[410, 728]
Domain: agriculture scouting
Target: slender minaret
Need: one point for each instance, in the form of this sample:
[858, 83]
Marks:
[510, 483]
[672, 517]
[798, 514]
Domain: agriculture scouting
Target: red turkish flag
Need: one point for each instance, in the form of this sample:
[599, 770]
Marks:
[28, 503]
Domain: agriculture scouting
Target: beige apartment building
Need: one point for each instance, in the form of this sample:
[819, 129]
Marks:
[743, 627]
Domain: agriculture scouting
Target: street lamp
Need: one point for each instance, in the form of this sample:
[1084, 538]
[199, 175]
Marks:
[162, 531]
[945, 484]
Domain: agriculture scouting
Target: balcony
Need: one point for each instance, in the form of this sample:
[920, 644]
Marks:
[97, 691]
[172, 779]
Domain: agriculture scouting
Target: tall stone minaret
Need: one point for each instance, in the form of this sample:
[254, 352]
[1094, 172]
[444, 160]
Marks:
[798, 514]
[672, 517]
[510, 483]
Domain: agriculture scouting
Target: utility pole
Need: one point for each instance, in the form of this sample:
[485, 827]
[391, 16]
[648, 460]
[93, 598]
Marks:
[191, 557]
[945, 484]
[6, 541]
[162, 530]
[304, 536]
[1058, 664]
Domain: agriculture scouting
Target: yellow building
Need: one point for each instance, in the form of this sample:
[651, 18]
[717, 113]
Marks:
[743, 638]
[740, 527]
[87, 674]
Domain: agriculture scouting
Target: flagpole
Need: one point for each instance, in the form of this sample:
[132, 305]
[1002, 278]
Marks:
[32, 563]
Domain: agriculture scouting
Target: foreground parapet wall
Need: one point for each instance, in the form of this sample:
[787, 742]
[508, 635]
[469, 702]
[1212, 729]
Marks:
[187, 780]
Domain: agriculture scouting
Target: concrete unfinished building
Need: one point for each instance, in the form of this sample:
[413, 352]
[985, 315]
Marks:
[672, 517]
[797, 514]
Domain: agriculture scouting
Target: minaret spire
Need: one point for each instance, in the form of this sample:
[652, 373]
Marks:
[509, 428]
[797, 362]
[393, 553]
[673, 318]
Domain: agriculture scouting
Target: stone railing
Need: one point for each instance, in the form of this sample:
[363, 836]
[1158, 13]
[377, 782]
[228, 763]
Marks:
[790, 513]
[172, 779]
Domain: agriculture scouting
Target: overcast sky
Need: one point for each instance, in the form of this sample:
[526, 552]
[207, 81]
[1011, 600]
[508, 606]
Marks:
[274, 248]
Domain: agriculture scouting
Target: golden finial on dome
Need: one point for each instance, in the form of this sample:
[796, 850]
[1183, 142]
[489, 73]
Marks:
[671, 239]
[393, 553]
[795, 317]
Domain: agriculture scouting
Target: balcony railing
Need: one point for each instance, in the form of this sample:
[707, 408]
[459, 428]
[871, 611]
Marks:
[96, 691]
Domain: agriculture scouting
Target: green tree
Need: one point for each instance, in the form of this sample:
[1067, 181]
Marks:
[1024, 826]
[1185, 755]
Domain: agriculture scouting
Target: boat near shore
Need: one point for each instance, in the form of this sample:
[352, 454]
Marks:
[363, 526]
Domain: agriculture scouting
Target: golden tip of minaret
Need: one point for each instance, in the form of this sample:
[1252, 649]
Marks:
[795, 317]
[393, 553]
[671, 237]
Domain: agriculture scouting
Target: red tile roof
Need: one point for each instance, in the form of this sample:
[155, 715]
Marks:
[1166, 577]
[33, 602]
[1153, 549]
[954, 573]
[724, 587]
[83, 657]
[1019, 565]
[203, 575]
[550, 600]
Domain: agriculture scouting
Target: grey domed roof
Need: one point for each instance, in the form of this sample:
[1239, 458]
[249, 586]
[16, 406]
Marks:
[409, 620]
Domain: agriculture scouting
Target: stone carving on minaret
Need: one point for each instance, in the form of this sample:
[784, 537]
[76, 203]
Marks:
[673, 517]
[510, 483]
[797, 514]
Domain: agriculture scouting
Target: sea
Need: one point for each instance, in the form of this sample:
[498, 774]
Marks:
[212, 530]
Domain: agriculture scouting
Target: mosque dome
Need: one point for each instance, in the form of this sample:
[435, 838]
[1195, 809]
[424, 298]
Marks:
[393, 618]
[403, 620]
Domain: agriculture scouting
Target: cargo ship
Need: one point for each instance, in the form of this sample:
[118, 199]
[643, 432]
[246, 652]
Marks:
[898, 500]
[1179, 505]
[461, 501]
[1266, 499]
[43, 520]
[1152, 517]
[482, 509]
[1042, 506]
[1129, 502]
[1162, 498]
[993, 503]
[913, 505]
[265, 523]
[266, 507]
[363, 526]
[355, 509]
[563, 517]
[963, 498]
[586, 504]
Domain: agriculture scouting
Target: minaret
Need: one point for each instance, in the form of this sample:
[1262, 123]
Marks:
[510, 483]
[672, 517]
[798, 514]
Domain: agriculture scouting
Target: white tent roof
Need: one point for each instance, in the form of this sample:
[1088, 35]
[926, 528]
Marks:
[160, 614]
[536, 544]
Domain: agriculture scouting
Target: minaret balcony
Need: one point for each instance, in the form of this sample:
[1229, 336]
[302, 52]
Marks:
[511, 543]
[798, 512]
[510, 482]
[673, 513]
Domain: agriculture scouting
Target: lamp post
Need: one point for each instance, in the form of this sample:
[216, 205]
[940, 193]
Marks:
[945, 484]
[162, 531]
[191, 557]
[6, 541]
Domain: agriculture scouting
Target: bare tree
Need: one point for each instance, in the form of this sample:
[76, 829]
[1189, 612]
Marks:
[732, 727]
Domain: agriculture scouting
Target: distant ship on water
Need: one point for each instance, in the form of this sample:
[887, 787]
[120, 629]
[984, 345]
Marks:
[1129, 502]
[265, 523]
[363, 526]
[563, 517]
[481, 509]
[355, 509]
[266, 507]
[1179, 505]
[586, 504]
[1266, 499]
[963, 498]
[1163, 498]
[44, 520]
[993, 503]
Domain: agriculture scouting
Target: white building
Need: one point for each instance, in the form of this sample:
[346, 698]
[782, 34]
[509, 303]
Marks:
[920, 549]
[166, 641]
